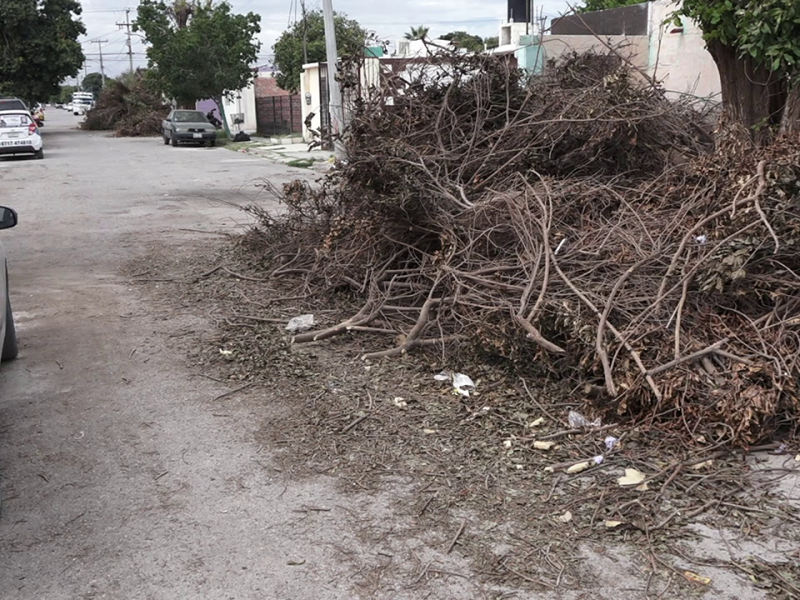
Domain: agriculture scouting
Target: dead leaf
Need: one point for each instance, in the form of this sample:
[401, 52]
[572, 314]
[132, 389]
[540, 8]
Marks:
[632, 477]
[613, 524]
[296, 563]
[581, 466]
[566, 517]
[544, 445]
[536, 423]
[703, 464]
[428, 431]
[696, 578]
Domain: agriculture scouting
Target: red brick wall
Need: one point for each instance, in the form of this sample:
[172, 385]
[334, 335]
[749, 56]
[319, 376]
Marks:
[279, 115]
[267, 86]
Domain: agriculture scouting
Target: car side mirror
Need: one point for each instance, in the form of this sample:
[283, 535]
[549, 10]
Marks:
[8, 218]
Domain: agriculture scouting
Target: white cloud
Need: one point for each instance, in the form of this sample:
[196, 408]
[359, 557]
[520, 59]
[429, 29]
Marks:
[389, 20]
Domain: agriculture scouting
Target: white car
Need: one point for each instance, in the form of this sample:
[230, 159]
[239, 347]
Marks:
[8, 334]
[19, 134]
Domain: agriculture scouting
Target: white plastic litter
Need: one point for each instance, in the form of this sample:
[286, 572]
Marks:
[702, 239]
[560, 246]
[300, 324]
[578, 421]
[611, 441]
[463, 384]
[598, 460]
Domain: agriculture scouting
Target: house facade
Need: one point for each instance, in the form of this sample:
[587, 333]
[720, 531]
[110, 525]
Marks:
[647, 35]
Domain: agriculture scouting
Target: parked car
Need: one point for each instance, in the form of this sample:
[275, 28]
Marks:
[12, 104]
[8, 334]
[188, 126]
[19, 134]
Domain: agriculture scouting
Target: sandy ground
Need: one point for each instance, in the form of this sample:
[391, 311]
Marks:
[122, 476]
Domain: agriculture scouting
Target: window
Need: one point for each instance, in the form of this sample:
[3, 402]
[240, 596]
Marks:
[14, 121]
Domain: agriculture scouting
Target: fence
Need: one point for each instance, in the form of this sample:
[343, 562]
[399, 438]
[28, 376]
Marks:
[279, 115]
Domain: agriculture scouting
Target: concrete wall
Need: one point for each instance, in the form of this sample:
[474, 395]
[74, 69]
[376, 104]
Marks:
[678, 55]
[310, 97]
[534, 57]
[243, 101]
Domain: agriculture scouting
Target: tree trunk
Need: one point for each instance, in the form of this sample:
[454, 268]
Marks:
[791, 116]
[753, 98]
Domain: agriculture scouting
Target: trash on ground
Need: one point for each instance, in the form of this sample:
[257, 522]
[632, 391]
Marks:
[225, 352]
[581, 466]
[400, 402]
[536, 422]
[566, 517]
[598, 460]
[429, 431]
[462, 384]
[300, 324]
[632, 477]
[611, 442]
[542, 445]
[578, 421]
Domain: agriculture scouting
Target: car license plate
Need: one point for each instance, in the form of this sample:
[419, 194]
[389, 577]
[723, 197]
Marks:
[197, 135]
[14, 143]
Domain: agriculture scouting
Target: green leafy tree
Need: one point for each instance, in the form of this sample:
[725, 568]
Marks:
[462, 39]
[63, 95]
[756, 46]
[590, 5]
[38, 46]
[198, 50]
[93, 82]
[492, 42]
[288, 50]
[417, 33]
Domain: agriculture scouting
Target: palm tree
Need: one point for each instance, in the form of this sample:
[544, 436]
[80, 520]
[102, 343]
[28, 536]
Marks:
[417, 33]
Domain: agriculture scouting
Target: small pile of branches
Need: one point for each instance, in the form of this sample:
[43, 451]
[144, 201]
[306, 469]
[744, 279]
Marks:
[577, 225]
[130, 108]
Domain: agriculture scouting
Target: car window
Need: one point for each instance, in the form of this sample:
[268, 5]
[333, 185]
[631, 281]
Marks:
[12, 104]
[14, 120]
[189, 116]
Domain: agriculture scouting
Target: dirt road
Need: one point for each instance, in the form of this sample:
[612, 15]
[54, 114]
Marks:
[120, 477]
[123, 476]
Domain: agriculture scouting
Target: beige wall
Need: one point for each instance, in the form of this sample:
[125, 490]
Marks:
[243, 101]
[309, 84]
[633, 48]
[680, 59]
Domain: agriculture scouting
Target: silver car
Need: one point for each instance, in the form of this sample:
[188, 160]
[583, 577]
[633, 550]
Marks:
[188, 126]
[8, 335]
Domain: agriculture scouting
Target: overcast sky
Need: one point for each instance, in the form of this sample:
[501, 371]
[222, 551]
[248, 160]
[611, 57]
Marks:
[388, 19]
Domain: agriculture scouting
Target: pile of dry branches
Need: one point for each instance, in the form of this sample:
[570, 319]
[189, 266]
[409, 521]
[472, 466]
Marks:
[577, 225]
[130, 107]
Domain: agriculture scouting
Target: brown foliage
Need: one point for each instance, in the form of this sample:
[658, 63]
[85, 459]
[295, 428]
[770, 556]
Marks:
[577, 226]
[131, 108]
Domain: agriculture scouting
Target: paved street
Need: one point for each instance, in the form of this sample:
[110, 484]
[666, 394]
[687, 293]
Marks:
[118, 480]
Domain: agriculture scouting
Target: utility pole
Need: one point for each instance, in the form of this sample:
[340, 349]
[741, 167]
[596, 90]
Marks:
[102, 70]
[127, 26]
[305, 33]
[334, 93]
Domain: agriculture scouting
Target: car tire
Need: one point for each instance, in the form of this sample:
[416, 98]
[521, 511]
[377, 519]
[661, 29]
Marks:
[10, 346]
[40, 153]
[166, 139]
[174, 142]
